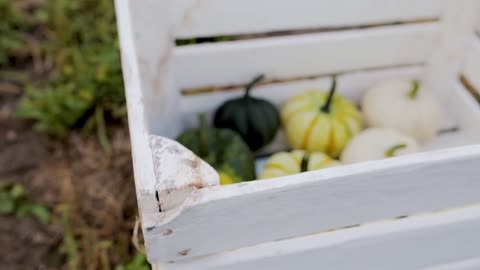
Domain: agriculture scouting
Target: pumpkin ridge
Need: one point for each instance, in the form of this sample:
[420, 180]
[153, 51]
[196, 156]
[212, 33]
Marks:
[294, 156]
[323, 164]
[346, 125]
[331, 139]
[271, 173]
[276, 166]
[293, 113]
[309, 132]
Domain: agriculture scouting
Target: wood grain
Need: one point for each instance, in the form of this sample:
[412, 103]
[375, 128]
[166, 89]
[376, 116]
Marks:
[196, 18]
[231, 63]
[136, 92]
[430, 241]
[245, 214]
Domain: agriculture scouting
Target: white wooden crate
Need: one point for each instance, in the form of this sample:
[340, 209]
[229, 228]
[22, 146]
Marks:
[380, 214]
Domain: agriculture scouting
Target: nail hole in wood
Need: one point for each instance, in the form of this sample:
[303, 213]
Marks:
[184, 252]
[448, 130]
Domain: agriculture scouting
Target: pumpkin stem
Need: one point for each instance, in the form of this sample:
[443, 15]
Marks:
[391, 152]
[326, 107]
[304, 163]
[252, 84]
[203, 134]
[414, 91]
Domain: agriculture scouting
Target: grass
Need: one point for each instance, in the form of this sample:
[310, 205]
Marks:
[14, 201]
[85, 84]
[12, 31]
[65, 56]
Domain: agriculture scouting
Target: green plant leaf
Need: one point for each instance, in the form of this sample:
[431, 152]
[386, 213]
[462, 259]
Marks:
[7, 205]
[22, 210]
[17, 191]
[88, 71]
[40, 212]
[138, 262]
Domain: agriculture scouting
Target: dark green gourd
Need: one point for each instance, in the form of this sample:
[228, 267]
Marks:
[223, 149]
[256, 120]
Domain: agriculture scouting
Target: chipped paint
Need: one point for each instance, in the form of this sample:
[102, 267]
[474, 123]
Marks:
[187, 20]
[178, 172]
[184, 252]
[162, 66]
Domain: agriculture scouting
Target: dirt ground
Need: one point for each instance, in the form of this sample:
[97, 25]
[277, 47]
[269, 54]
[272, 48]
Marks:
[74, 174]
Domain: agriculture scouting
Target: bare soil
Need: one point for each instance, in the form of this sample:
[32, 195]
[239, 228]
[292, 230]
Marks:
[74, 172]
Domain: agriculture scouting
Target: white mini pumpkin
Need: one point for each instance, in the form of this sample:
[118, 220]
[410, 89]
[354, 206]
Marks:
[377, 143]
[405, 106]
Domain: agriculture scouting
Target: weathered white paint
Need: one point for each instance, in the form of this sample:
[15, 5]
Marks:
[210, 220]
[477, 29]
[261, 211]
[469, 264]
[455, 138]
[151, 97]
[178, 171]
[152, 51]
[426, 241]
[471, 69]
[141, 153]
[196, 18]
[238, 62]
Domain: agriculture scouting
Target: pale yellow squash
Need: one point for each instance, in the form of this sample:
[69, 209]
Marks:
[287, 163]
[320, 121]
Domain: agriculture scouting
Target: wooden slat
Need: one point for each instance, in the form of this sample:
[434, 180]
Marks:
[472, 65]
[434, 241]
[303, 55]
[228, 217]
[196, 18]
[456, 138]
[478, 27]
[147, 89]
[469, 264]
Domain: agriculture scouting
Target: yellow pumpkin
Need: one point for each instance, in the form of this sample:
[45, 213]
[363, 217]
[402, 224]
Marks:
[296, 161]
[319, 121]
[226, 179]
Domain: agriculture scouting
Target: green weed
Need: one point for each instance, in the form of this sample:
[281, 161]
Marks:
[138, 262]
[12, 28]
[69, 246]
[14, 201]
[87, 81]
